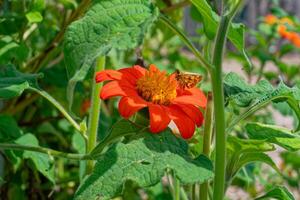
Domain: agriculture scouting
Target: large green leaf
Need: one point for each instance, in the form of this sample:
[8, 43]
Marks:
[274, 134]
[118, 130]
[242, 93]
[211, 20]
[256, 96]
[144, 161]
[13, 82]
[120, 24]
[278, 192]
[40, 161]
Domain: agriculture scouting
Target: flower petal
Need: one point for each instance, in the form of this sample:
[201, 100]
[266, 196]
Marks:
[153, 68]
[130, 105]
[191, 96]
[192, 100]
[130, 74]
[159, 119]
[140, 69]
[185, 125]
[107, 75]
[193, 112]
[114, 88]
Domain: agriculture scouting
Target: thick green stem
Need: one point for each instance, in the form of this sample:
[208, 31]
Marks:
[185, 39]
[94, 114]
[207, 142]
[219, 114]
[47, 151]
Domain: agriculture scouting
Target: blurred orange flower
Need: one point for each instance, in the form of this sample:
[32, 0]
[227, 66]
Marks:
[159, 92]
[270, 19]
[296, 41]
[291, 36]
[282, 31]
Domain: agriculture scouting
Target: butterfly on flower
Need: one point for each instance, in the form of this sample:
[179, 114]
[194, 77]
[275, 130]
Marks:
[187, 79]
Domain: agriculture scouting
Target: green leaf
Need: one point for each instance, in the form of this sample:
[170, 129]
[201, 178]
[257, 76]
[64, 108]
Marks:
[13, 82]
[211, 20]
[41, 161]
[278, 192]
[118, 130]
[247, 158]
[241, 93]
[7, 47]
[241, 152]
[143, 161]
[106, 25]
[34, 17]
[274, 134]
[239, 146]
[9, 129]
[257, 96]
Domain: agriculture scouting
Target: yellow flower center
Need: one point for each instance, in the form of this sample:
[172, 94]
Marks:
[157, 87]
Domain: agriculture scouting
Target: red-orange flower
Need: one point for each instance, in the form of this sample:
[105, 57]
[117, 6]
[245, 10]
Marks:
[159, 92]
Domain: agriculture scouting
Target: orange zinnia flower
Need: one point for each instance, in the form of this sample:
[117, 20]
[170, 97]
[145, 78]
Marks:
[282, 31]
[296, 41]
[140, 88]
[293, 36]
[271, 19]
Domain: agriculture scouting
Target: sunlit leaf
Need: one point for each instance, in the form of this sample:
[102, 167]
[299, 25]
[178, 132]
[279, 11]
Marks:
[256, 96]
[106, 25]
[278, 192]
[143, 161]
[274, 134]
[34, 17]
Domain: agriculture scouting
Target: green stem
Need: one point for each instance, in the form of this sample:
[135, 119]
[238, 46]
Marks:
[295, 107]
[185, 39]
[94, 114]
[207, 142]
[47, 151]
[183, 194]
[176, 188]
[194, 192]
[219, 116]
[59, 107]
